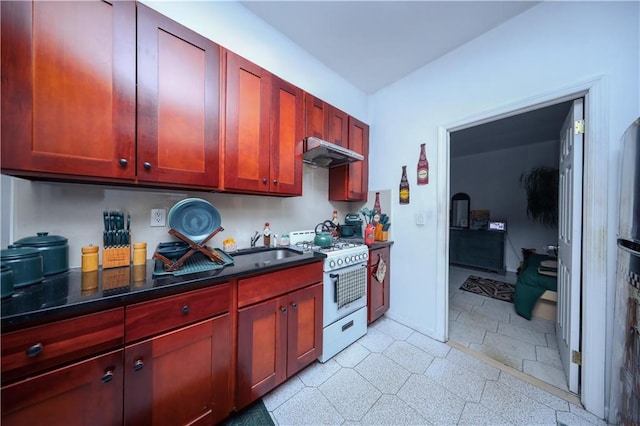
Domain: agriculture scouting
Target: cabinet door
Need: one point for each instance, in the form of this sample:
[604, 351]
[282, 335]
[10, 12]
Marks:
[378, 293]
[338, 127]
[248, 107]
[286, 138]
[262, 349]
[304, 341]
[85, 393]
[168, 379]
[68, 88]
[316, 116]
[351, 182]
[178, 101]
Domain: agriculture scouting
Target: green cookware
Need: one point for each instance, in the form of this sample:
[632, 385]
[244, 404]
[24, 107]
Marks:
[53, 248]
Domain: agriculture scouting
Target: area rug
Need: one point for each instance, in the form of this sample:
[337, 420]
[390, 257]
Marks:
[254, 415]
[490, 288]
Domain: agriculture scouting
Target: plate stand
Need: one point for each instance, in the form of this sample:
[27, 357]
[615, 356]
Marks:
[194, 247]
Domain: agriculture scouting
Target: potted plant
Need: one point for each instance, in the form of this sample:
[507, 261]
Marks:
[541, 185]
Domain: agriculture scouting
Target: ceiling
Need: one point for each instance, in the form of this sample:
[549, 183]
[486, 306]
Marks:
[540, 125]
[372, 44]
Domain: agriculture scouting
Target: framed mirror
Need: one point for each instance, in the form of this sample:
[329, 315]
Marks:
[460, 206]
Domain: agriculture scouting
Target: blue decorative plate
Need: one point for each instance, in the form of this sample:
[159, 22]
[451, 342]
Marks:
[194, 218]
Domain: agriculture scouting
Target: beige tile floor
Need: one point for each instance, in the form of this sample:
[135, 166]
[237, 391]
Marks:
[493, 328]
[397, 376]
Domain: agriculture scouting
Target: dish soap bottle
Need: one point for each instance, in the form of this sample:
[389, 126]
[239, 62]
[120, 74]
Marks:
[423, 167]
[266, 235]
[404, 187]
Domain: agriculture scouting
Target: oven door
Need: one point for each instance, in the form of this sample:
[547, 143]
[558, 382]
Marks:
[345, 291]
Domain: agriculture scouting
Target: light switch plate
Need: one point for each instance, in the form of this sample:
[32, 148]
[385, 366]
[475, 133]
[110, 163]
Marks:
[158, 217]
[420, 218]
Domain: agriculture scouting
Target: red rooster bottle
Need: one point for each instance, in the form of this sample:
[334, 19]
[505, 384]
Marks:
[423, 167]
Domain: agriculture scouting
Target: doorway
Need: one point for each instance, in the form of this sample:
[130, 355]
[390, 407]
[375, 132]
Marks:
[594, 273]
[487, 161]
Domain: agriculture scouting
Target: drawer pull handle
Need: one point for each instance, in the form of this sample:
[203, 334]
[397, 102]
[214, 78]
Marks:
[34, 350]
[108, 375]
[137, 366]
[264, 180]
[283, 309]
[123, 162]
[185, 309]
[294, 305]
[147, 165]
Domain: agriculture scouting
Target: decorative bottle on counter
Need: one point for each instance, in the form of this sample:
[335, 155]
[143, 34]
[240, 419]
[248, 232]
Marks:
[334, 218]
[404, 187]
[376, 207]
[266, 235]
[423, 167]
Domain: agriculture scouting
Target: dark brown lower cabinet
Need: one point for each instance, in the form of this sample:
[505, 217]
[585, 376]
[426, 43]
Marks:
[276, 339]
[168, 378]
[85, 393]
[379, 290]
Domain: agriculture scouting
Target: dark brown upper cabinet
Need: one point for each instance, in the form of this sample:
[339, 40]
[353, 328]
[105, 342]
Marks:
[263, 138]
[178, 104]
[68, 89]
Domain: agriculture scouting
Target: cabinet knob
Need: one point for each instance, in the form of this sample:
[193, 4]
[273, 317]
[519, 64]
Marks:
[34, 350]
[123, 162]
[137, 366]
[185, 309]
[264, 180]
[283, 309]
[147, 165]
[275, 181]
[294, 305]
[108, 375]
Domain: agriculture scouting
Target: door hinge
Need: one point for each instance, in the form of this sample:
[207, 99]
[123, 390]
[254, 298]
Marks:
[576, 357]
[578, 127]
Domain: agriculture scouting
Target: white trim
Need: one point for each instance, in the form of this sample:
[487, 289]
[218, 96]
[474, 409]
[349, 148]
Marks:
[594, 272]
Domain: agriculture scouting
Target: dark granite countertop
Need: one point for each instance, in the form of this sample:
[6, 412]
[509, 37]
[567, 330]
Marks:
[75, 293]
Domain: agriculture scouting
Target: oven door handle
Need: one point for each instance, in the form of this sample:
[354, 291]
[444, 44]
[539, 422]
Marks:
[336, 281]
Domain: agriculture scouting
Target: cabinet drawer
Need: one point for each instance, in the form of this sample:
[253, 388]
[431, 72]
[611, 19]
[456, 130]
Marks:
[38, 348]
[266, 286]
[156, 316]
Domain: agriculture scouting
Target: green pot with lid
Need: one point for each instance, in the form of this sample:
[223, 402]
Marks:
[26, 264]
[53, 248]
[6, 281]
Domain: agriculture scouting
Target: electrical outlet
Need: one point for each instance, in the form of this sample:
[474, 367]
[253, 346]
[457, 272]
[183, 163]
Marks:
[158, 217]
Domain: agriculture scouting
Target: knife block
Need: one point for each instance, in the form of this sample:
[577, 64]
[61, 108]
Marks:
[114, 257]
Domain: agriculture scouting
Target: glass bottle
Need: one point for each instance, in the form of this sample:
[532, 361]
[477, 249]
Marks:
[404, 187]
[378, 210]
[266, 235]
[423, 167]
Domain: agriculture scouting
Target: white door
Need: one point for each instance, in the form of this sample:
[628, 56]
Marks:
[569, 242]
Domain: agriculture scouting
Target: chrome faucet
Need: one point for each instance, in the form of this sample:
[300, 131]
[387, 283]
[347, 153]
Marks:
[255, 239]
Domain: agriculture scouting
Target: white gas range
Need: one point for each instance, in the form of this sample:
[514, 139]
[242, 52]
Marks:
[344, 318]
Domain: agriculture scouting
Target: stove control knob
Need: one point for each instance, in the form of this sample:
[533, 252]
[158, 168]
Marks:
[346, 259]
[332, 264]
[339, 262]
[353, 258]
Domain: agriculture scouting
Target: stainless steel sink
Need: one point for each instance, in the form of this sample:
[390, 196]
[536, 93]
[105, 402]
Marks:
[265, 255]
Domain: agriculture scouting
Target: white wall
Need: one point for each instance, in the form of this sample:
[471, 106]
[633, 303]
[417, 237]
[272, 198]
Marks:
[548, 47]
[74, 210]
[492, 180]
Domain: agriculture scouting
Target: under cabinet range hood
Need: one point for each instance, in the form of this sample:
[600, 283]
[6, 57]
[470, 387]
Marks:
[325, 154]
